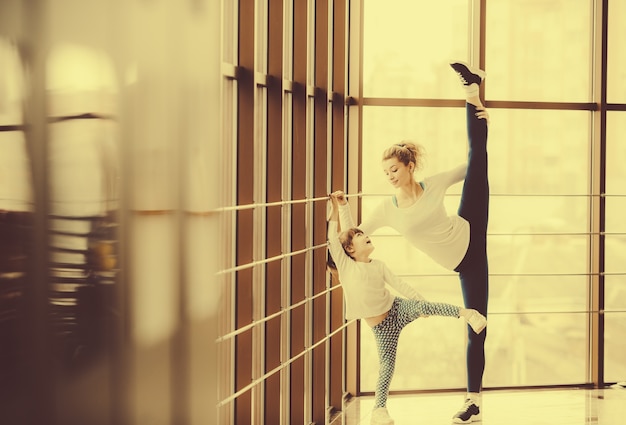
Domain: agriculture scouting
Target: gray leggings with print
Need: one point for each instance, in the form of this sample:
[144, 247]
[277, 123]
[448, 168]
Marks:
[402, 312]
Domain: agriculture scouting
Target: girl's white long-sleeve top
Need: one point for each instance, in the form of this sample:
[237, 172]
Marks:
[363, 284]
[425, 224]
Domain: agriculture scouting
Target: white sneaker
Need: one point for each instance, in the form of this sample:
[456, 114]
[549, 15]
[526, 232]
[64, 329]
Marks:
[380, 416]
[477, 321]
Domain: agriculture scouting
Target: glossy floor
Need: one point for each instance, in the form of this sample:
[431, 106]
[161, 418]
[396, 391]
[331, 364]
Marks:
[520, 407]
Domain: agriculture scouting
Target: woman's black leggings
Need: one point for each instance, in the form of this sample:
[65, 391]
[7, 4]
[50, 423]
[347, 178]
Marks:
[473, 269]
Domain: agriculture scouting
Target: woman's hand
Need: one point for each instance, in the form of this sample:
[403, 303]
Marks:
[482, 114]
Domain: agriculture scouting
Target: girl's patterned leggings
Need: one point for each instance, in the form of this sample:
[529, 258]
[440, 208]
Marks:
[402, 312]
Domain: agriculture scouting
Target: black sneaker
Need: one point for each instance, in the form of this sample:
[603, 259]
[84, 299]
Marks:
[467, 74]
[468, 413]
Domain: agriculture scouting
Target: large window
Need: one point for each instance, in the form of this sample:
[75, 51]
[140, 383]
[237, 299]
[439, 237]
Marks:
[615, 290]
[406, 46]
[532, 54]
[543, 89]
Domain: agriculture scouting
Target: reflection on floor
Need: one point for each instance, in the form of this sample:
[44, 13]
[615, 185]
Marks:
[523, 407]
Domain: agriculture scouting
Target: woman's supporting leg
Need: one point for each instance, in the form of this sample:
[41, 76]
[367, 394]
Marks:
[475, 288]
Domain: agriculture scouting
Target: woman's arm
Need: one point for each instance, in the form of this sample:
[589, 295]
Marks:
[449, 177]
[373, 222]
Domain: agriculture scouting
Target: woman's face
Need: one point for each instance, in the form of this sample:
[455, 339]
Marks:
[397, 173]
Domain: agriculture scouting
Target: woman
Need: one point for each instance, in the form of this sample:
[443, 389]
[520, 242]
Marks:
[457, 242]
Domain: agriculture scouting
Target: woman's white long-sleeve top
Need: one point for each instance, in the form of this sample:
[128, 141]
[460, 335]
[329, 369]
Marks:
[425, 224]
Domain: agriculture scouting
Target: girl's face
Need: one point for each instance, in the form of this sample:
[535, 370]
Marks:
[361, 245]
[398, 174]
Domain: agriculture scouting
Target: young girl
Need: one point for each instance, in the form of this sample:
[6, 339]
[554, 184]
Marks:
[366, 297]
[457, 242]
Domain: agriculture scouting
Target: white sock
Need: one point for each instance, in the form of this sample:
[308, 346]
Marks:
[471, 91]
[475, 397]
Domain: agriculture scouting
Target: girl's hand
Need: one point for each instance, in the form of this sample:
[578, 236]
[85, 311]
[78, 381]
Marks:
[482, 114]
[339, 196]
[332, 209]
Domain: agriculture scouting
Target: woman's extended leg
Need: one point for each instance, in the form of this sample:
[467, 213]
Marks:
[474, 204]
